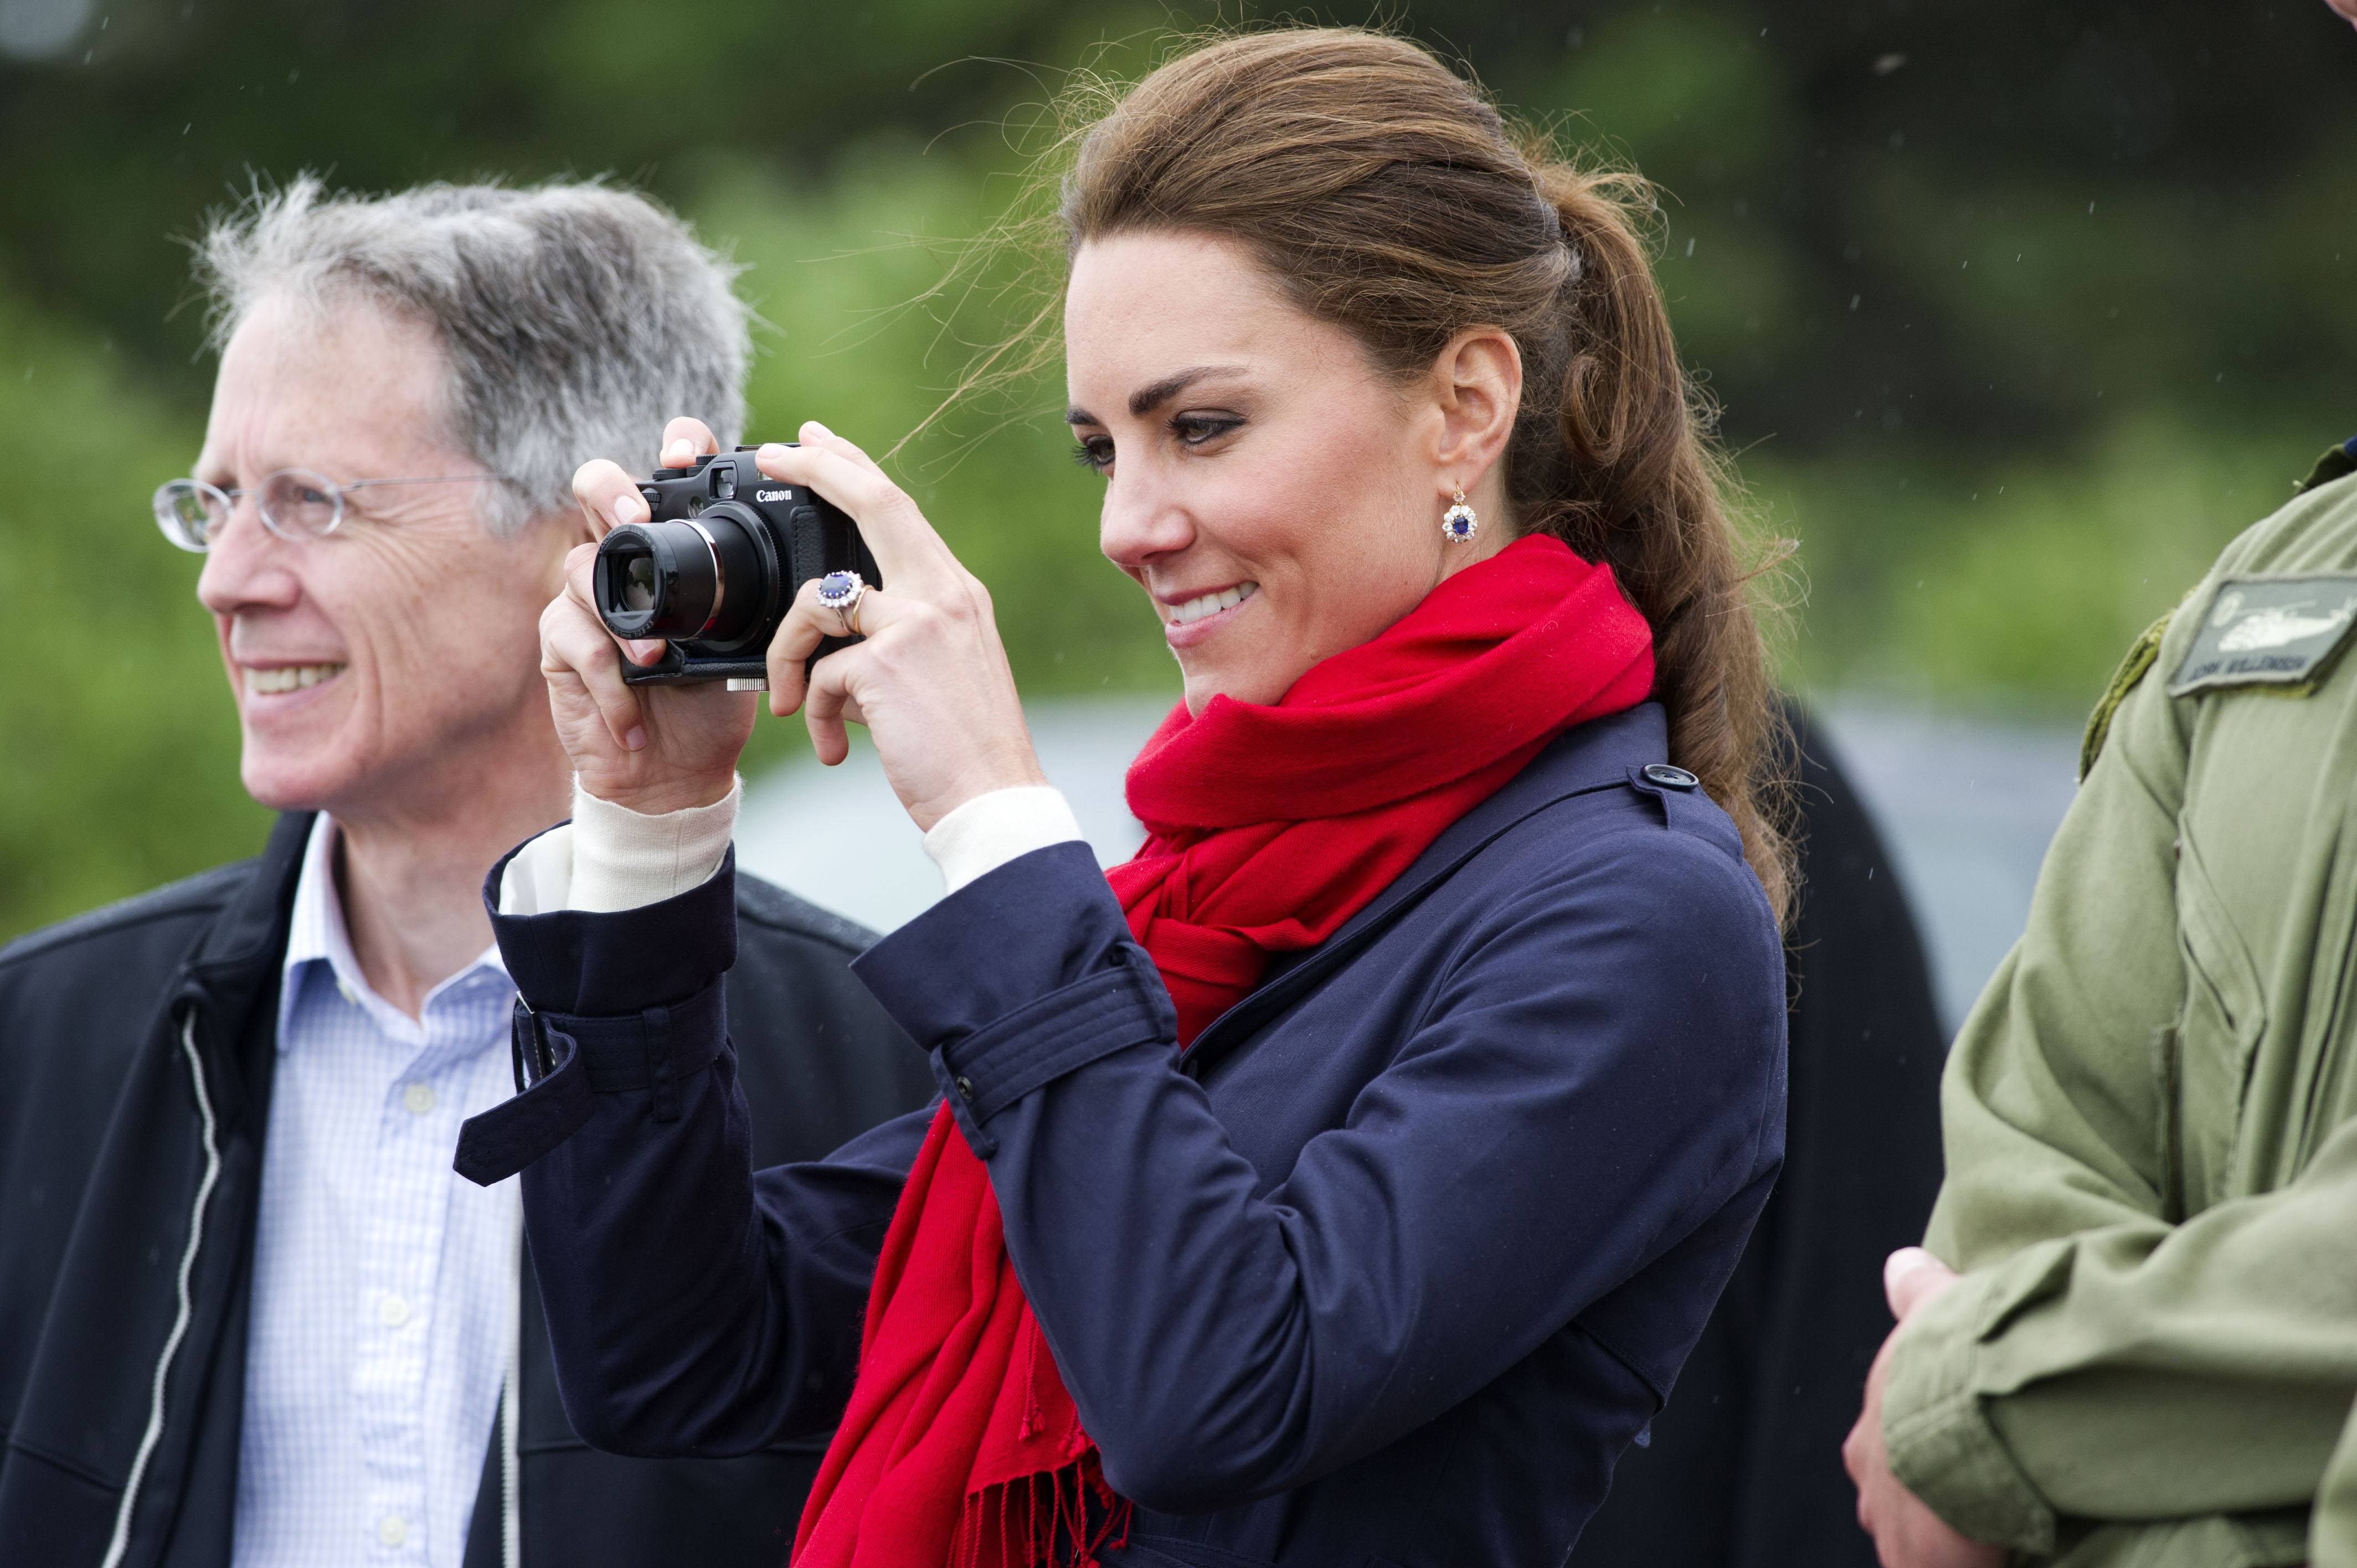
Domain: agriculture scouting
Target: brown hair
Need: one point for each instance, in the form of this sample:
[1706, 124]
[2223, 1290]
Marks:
[1389, 197]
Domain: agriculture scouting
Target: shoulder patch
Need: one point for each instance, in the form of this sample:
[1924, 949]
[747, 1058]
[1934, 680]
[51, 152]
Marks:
[2132, 667]
[2279, 633]
[2337, 462]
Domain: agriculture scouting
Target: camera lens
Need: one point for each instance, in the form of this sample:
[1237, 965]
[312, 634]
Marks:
[700, 580]
[638, 584]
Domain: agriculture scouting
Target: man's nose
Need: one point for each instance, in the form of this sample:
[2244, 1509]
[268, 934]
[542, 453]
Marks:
[248, 566]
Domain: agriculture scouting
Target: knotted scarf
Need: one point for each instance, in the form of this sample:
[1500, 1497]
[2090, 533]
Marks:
[1268, 828]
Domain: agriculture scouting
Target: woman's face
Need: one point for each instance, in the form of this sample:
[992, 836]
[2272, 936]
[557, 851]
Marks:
[1277, 497]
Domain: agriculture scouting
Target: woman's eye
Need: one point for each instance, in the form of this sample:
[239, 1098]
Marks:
[1199, 429]
[1095, 452]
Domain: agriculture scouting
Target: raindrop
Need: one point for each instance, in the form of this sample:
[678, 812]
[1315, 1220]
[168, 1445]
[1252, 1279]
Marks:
[1690, 247]
[1854, 299]
[1885, 64]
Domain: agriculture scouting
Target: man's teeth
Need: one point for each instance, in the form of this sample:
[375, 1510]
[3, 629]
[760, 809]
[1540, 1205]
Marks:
[290, 678]
[1212, 603]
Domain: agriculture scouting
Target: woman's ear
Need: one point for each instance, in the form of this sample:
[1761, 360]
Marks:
[1477, 387]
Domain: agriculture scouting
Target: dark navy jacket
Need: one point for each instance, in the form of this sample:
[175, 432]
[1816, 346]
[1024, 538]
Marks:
[1387, 1269]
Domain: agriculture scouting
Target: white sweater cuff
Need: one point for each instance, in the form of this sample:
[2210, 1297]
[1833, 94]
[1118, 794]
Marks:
[991, 830]
[624, 859]
[609, 858]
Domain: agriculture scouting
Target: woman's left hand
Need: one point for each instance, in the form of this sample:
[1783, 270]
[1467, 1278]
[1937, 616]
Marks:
[930, 681]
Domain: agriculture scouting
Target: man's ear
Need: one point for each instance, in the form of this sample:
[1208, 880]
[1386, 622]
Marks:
[1477, 385]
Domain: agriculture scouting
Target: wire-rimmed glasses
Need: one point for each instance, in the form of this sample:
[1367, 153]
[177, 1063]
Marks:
[295, 503]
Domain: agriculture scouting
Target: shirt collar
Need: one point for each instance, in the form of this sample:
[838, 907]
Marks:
[316, 934]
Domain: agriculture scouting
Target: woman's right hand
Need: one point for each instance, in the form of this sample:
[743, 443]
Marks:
[651, 748]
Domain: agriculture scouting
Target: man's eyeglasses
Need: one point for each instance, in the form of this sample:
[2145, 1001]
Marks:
[295, 503]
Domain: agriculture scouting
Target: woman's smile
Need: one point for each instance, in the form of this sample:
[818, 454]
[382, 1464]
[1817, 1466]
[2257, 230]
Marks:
[1189, 621]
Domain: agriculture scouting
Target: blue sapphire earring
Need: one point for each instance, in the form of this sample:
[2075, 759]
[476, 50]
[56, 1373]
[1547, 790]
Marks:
[1459, 525]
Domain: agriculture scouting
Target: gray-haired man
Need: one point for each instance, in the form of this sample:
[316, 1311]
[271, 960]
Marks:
[248, 1313]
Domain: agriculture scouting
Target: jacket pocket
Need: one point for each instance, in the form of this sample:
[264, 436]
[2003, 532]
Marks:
[2225, 1013]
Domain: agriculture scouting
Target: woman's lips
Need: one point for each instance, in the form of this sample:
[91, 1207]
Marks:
[1200, 616]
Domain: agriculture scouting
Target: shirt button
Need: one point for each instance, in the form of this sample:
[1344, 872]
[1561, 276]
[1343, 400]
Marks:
[965, 1089]
[392, 1312]
[1668, 777]
[392, 1529]
[419, 1098]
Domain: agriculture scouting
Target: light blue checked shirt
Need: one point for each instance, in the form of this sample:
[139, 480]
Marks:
[384, 1286]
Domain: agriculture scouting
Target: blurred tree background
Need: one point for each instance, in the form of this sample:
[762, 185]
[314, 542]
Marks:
[2015, 311]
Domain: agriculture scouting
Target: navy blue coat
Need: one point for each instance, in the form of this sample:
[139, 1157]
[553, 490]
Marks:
[1388, 1268]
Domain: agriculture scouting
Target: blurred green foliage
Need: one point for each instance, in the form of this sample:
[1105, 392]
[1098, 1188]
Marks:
[122, 740]
[2014, 311]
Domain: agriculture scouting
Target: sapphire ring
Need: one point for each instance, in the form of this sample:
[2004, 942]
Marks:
[841, 592]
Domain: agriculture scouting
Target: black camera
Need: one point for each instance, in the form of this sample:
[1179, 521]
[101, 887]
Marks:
[715, 567]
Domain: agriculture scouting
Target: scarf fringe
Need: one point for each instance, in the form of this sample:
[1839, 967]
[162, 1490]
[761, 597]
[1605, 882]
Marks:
[1052, 1518]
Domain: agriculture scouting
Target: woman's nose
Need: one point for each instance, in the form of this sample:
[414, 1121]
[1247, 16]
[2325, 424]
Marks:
[1140, 522]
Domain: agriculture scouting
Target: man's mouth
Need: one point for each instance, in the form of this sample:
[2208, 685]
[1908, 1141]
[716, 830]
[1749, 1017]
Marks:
[288, 678]
[1196, 608]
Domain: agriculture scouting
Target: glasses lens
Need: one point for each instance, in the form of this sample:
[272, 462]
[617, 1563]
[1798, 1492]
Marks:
[297, 502]
[190, 513]
[639, 584]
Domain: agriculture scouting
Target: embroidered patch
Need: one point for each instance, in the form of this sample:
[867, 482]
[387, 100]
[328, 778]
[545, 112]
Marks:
[2269, 631]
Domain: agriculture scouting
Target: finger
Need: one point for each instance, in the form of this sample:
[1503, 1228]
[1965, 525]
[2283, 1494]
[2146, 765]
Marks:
[831, 706]
[685, 439]
[1908, 1275]
[576, 645]
[609, 495]
[814, 433]
[911, 554]
[823, 711]
[806, 624]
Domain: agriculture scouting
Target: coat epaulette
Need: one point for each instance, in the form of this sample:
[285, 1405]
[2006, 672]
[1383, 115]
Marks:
[2133, 667]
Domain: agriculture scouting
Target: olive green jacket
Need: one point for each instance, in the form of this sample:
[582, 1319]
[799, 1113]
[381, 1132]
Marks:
[2152, 1165]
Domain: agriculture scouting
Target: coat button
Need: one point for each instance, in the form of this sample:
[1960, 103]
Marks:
[1667, 777]
[965, 1089]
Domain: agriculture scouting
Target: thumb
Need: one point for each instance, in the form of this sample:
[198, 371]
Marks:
[1912, 1276]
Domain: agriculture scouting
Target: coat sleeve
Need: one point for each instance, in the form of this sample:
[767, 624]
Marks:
[694, 1307]
[1601, 1077]
[1599, 1074]
[2101, 1359]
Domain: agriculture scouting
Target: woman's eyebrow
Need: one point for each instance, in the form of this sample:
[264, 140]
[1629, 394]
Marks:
[1147, 399]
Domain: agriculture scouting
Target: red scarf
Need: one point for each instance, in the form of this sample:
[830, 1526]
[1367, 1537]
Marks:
[1268, 828]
